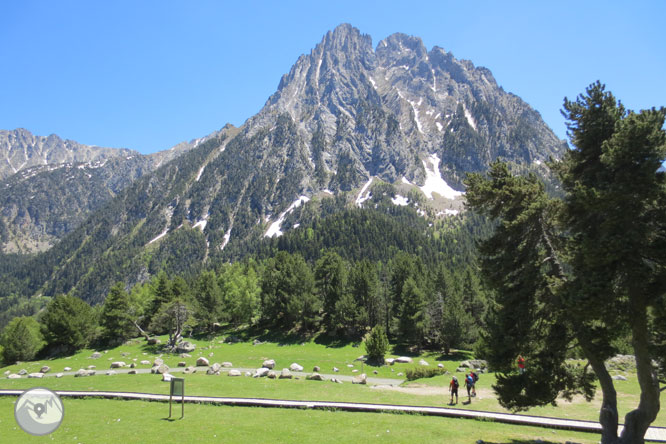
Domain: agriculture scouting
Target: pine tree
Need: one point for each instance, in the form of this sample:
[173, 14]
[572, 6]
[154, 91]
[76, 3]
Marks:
[68, 323]
[209, 300]
[116, 321]
[330, 281]
[21, 340]
[585, 270]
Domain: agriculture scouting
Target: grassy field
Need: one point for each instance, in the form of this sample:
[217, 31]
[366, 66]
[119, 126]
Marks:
[426, 392]
[107, 421]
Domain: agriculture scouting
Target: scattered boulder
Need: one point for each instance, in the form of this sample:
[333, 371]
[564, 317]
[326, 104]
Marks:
[336, 380]
[111, 372]
[185, 347]
[440, 365]
[214, 369]
[185, 355]
[260, 372]
[13, 376]
[144, 362]
[285, 374]
[166, 377]
[350, 365]
[315, 377]
[159, 369]
[461, 370]
[257, 342]
[400, 374]
[271, 375]
[619, 378]
[132, 372]
[67, 369]
[96, 355]
[423, 362]
[59, 375]
[45, 369]
[389, 361]
[355, 370]
[296, 367]
[335, 369]
[158, 361]
[248, 373]
[404, 360]
[23, 372]
[233, 340]
[316, 369]
[360, 379]
[118, 364]
[7, 373]
[92, 367]
[234, 373]
[210, 355]
[36, 375]
[133, 365]
[269, 363]
[124, 354]
[202, 362]
[154, 341]
[227, 364]
[375, 372]
[189, 370]
[474, 364]
[182, 364]
[83, 372]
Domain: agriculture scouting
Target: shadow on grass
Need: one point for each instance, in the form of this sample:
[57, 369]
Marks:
[457, 355]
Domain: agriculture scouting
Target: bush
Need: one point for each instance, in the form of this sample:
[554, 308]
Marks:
[423, 372]
[376, 344]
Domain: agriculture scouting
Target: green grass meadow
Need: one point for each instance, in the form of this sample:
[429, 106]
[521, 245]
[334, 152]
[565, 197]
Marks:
[95, 420]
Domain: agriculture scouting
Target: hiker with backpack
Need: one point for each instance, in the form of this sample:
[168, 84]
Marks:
[475, 378]
[521, 364]
[469, 385]
[453, 389]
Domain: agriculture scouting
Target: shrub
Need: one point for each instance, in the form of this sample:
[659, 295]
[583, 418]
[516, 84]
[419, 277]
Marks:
[423, 372]
[376, 344]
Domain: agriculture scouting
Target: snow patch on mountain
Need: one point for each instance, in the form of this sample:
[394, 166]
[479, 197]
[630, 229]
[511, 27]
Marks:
[434, 182]
[400, 200]
[275, 228]
[363, 196]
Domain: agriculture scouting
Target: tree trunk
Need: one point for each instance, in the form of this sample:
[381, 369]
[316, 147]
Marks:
[637, 421]
[143, 333]
[608, 416]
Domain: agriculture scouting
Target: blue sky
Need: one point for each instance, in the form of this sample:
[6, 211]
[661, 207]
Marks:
[147, 75]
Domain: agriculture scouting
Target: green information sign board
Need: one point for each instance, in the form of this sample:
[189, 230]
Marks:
[177, 389]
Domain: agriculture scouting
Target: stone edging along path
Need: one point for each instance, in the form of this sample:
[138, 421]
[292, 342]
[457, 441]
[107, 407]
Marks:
[655, 434]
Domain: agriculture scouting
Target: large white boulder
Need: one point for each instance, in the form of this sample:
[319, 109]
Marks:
[260, 372]
[296, 367]
[202, 362]
[269, 363]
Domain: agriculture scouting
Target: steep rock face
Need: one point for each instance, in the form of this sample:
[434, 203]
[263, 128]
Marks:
[344, 118]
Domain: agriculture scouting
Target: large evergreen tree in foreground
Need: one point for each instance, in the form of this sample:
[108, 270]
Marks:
[586, 270]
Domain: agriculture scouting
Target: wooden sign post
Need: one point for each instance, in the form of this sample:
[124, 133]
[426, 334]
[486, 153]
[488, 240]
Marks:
[177, 389]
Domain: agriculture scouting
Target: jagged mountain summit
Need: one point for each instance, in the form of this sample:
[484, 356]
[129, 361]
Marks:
[54, 184]
[346, 119]
[20, 149]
